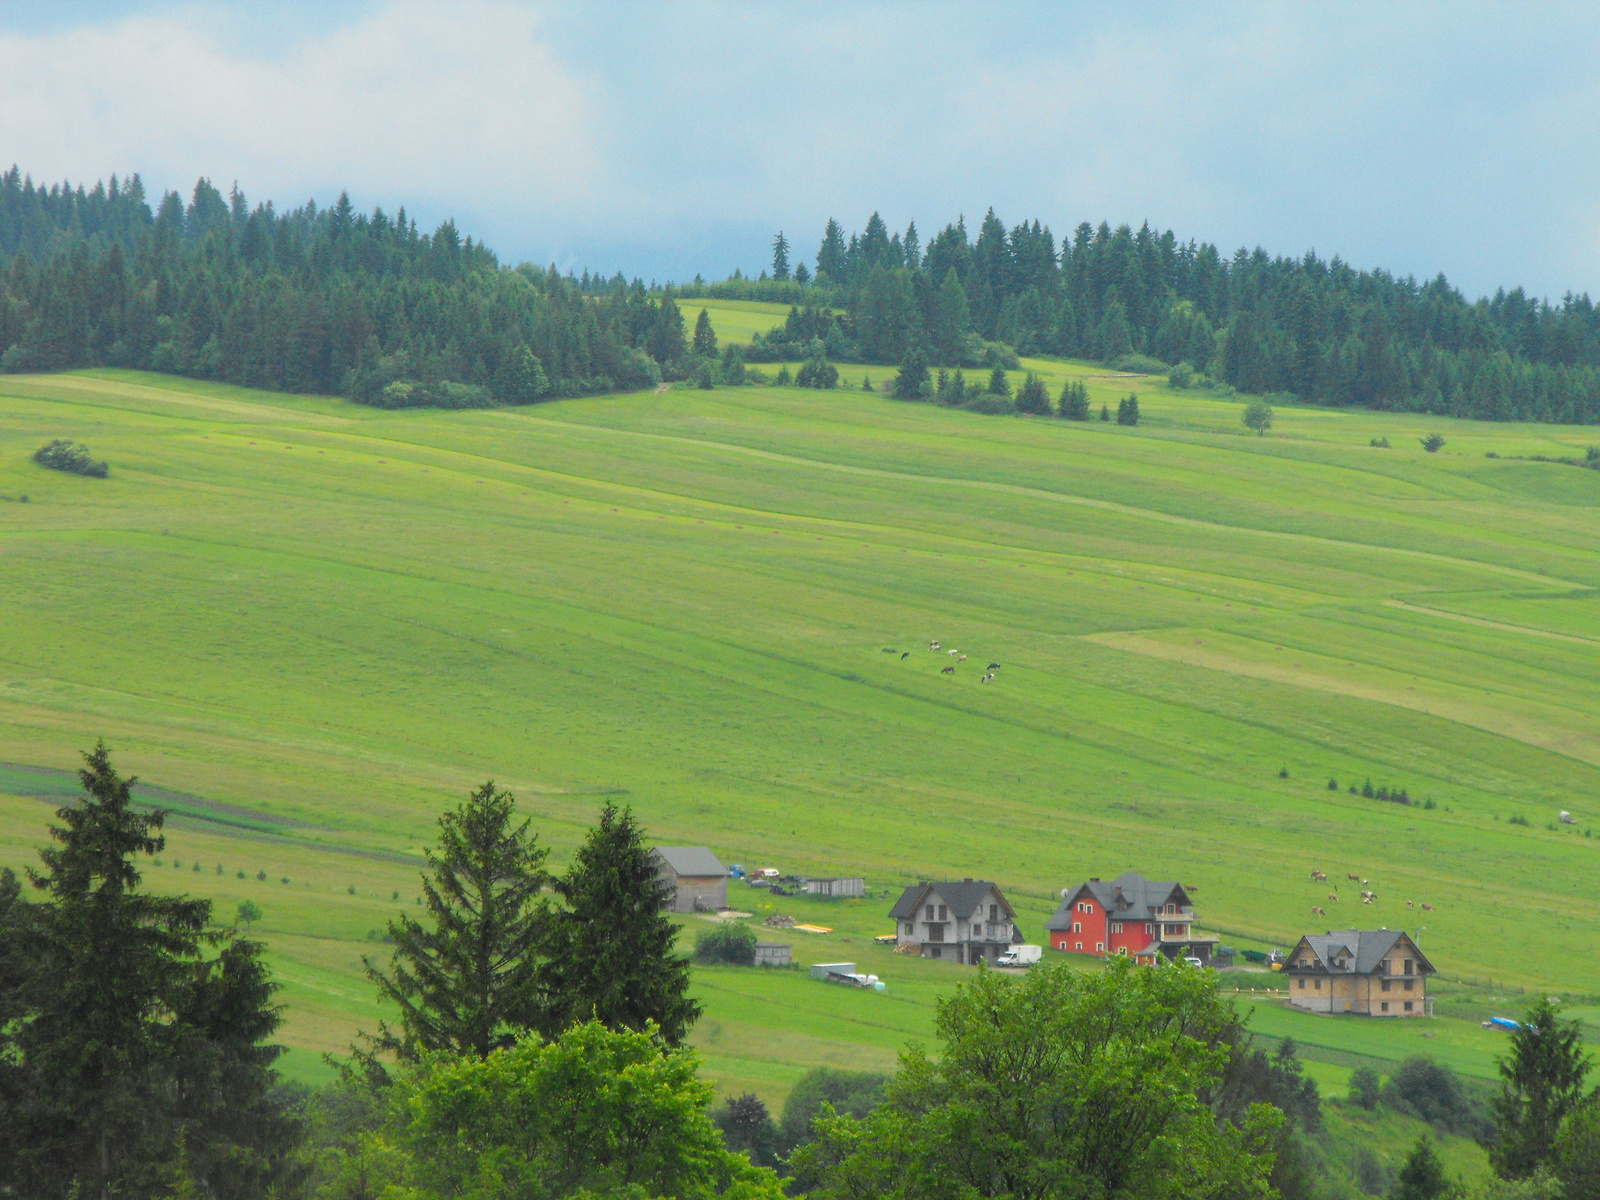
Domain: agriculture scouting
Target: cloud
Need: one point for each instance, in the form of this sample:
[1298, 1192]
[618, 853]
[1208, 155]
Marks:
[442, 107]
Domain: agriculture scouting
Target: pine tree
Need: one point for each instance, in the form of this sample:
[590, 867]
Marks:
[780, 257]
[831, 254]
[997, 382]
[1423, 1177]
[1105, 413]
[611, 951]
[802, 273]
[1541, 1086]
[705, 338]
[130, 1043]
[911, 383]
[866, 383]
[1032, 396]
[467, 985]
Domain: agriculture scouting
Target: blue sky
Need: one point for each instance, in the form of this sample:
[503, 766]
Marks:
[666, 139]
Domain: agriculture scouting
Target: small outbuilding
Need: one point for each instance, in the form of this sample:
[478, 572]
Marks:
[773, 954]
[698, 878]
[836, 887]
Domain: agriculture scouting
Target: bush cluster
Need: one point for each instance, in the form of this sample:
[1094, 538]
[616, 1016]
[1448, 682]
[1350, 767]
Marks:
[72, 457]
[729, 943]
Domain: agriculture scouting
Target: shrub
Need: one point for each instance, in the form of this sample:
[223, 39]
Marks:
[727, 942]
[818, 373]
[851, 1093]
[1382, 443]
[1182, 375]
[988, 402]
[1432, 1092]
[1517, 821]
[71, 457]
[1369, 1174]
[1432, 443]
[1143, 364]
[1364, 1088]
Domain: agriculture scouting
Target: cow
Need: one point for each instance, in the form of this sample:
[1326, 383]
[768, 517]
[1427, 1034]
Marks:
[992, 667]
[1317, 912]
[1366, 899]
[933, 645]
[1355, 879]
[961, 658]
[1319, 877]
[905, 656]
[1427, 908]
[953, 653]
[1334, 896]
[948, 671]
[1409, 904]
[987, 677]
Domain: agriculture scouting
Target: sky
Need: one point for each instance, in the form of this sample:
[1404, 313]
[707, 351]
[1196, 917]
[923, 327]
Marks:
[668, 140]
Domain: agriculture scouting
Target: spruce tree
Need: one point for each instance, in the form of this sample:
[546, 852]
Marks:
[911, 383]
[802, 273]
[705, 338]
[780, 257]
[998, 383]
[131, 1044]
[467, 985]
[611, 953]
[1105, 413]
[1032, 397]
[1422, 1177]
[1541, 1086]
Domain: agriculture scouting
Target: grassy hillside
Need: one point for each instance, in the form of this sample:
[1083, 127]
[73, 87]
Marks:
[315, 625]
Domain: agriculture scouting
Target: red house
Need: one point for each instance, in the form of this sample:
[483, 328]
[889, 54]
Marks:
[1131, 915]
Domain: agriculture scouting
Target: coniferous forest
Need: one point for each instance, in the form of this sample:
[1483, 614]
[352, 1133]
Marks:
[331, 300]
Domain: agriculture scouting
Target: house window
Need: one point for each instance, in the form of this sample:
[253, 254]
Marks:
[910, 929]
[1408, 966]
[1122, 950]
[1080, 945]
[1408, 985]
[1077, 927]
[1385, 1006]
[1100, 947]
[1408, 1006]
[1149, 927]
[1116, 927]
[1319, 985]
[936, 933]
[928, 916]
[1384, 985]
[944, 913]
[935, 952]
[994, 912]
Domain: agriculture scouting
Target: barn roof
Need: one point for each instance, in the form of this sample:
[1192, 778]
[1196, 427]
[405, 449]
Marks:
[690, 860]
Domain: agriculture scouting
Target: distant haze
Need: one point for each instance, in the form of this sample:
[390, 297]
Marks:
[667, 141]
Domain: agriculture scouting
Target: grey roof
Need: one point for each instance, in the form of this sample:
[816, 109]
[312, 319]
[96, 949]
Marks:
[1128, 897]
[961, 897]
[1363, 950]
[690, 860]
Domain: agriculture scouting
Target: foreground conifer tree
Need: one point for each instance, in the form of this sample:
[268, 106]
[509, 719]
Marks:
[611, 954]
[125, 1047]
[467, 985]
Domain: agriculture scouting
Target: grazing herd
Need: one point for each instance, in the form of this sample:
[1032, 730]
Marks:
[933, 646]
[1367, 896]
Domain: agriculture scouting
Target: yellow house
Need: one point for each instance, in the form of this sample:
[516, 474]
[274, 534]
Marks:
[1374, 972]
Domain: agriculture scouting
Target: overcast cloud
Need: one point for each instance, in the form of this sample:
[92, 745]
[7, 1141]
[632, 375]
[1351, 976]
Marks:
[667, 140]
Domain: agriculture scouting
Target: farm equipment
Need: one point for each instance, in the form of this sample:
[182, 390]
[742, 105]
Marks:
[1505, 1023]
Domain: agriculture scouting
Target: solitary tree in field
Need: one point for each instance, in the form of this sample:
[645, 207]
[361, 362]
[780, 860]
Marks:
[611, 954]
[247, 914]
[467, 985]
[1432, 443]
[705, 338]
[1258, 416]
[780, 257]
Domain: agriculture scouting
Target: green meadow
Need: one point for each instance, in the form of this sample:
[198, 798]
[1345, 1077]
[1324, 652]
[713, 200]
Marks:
[310, 626]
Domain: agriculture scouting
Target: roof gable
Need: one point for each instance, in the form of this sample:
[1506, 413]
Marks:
[690, 860]
[1357, 951]
[962, 898]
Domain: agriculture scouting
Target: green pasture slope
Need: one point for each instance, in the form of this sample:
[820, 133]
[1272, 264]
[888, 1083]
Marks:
[313, 625]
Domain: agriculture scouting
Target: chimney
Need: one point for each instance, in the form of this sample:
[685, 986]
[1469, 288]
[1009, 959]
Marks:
[1094, 879]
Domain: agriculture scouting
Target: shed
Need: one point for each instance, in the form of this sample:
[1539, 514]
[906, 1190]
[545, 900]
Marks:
[824, 970]
[837, 887]
[699, 880]
[773, 954]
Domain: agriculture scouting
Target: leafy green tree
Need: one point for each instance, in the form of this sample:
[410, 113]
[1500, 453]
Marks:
[466, 982]
[1061, 1084]
[780, 257]
[998, 384]
[1423, 1177]
[1433, 443]
[705, 337]
[728, 942]
[849, 1093]
[911, 382]
[611, 953]
[1257, 415]
[127, 1045]
[596, 1112]
[247, 914]
[1365, 1088]
[747, 1127]
[1432, 1092]
[1541, 1086]
[1577, 1164]
[1032, 396]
